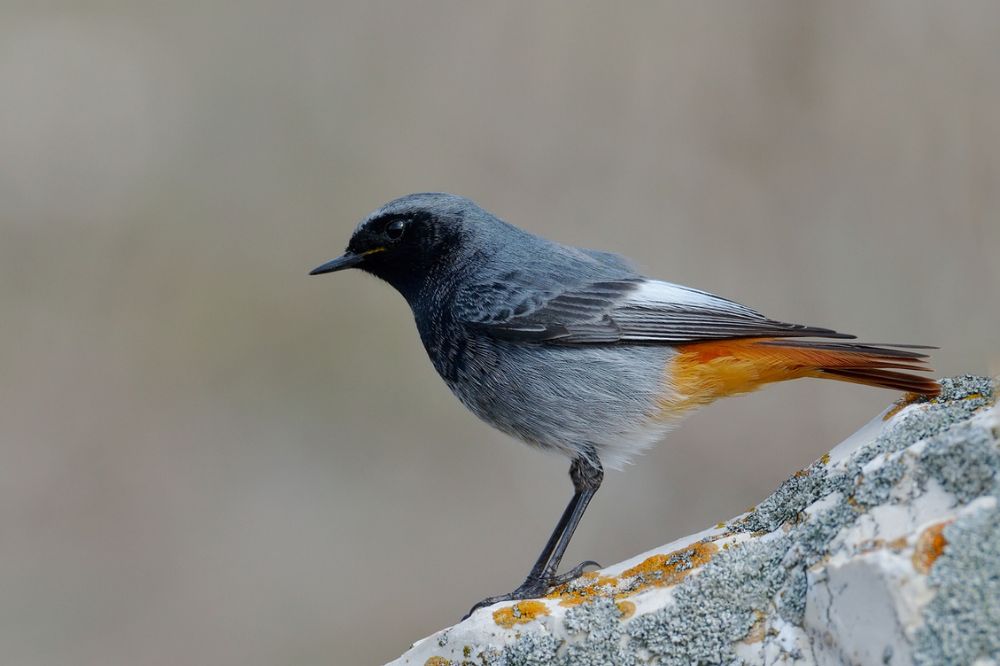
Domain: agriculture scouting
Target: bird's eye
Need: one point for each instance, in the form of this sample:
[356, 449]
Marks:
[394, 230]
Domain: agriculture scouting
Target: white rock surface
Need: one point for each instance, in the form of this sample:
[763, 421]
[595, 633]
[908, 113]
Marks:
[886, 551]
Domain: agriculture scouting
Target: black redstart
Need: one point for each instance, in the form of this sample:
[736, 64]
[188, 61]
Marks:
[573, 350]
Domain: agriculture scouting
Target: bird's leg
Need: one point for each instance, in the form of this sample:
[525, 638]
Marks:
[536, 575]
[586, 480]
[587, 477]
[534, 585]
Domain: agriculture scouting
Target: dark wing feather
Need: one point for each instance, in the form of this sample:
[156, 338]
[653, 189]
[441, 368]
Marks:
[631, 310]
[573, 316]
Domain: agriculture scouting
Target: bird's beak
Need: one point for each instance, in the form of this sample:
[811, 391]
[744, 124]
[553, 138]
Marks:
[347, 260]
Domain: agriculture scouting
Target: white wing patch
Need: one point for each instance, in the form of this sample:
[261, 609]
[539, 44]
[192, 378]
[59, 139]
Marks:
[656, 293]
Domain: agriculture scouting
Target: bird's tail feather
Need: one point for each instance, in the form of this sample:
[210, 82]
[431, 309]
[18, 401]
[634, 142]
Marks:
[705, 371]
[873, 365]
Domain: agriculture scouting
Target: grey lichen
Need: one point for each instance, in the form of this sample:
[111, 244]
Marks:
[598, 622]
[962, 622]
[875, 488]
[960, 398]
[531, 649]
[716, 608]
[792, 597]
[813, 537]
[682, 560]
[785, 503]
[597, 625]
[964, 460]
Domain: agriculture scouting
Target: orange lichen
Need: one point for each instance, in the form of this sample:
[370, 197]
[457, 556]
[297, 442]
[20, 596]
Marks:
[898, 406]
[657, 571]
[825, 458]
[626, 608]
[437, 661]
[670, 569]
[930, 544]
[520, 613]
[898, 543]
[578, 594]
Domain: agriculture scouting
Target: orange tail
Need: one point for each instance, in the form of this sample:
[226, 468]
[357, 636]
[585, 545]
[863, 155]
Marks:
[869, 364]
[705, 371]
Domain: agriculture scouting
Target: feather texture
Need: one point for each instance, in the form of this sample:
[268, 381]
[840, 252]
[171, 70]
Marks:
[634, 310]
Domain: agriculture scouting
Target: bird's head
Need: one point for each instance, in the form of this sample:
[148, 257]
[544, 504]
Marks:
[409, 238]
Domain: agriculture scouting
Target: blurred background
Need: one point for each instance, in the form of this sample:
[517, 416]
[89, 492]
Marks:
[209, 458]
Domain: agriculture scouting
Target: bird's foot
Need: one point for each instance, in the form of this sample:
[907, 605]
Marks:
[573, 573]
[532, 588]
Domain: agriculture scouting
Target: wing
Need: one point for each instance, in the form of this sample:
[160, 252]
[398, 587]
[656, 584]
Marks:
[629, 310]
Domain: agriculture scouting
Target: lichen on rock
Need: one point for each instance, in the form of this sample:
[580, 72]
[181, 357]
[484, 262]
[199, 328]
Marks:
[716, 608]
[885, 551]
[598, 623]
[962, 621]
[964, 460]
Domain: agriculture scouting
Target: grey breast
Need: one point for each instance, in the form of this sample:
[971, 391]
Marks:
[578, 400]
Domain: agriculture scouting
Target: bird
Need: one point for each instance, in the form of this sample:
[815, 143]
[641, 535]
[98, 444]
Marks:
[575, 351]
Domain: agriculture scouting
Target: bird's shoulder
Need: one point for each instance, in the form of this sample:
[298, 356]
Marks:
[517, 288]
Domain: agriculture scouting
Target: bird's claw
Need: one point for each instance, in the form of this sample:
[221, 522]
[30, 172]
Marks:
[573, 573]
[533, 588]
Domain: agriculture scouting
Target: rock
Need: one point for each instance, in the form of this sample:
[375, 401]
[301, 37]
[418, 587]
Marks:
[884, 551]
